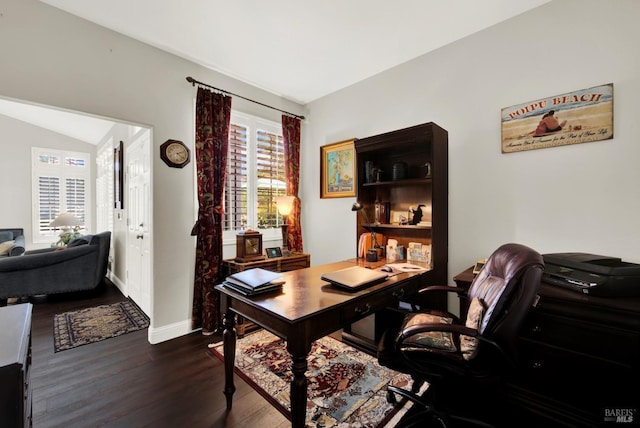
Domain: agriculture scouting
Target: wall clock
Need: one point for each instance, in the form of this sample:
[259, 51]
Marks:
[174, 153]
[249, 246]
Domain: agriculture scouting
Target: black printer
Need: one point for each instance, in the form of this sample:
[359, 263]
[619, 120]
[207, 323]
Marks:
[592, 274]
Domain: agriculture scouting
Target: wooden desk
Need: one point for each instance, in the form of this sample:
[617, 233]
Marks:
[307, 309]
[278, 264]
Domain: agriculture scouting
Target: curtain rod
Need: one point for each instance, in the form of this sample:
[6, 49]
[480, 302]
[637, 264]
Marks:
[194, 82]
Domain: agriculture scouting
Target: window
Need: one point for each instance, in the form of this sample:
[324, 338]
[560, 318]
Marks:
[104, 187]
[60, 184]
[255, 174]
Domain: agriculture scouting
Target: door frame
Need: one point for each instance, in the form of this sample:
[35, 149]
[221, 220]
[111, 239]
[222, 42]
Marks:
[147, 146]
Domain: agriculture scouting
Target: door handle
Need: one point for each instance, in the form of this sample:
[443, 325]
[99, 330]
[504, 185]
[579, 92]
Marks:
[139, 236]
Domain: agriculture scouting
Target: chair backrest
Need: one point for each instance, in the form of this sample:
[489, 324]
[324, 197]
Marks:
[507, 284]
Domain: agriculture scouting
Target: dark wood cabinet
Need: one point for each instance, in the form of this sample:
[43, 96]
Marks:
[15, 366]
[580, 358]
[400, 170]
[406, 181]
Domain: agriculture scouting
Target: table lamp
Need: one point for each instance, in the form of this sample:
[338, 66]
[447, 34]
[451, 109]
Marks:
[357, 206]
[285, 206]
[69, 225]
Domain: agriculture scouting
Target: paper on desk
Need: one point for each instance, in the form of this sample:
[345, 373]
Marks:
[406, 267]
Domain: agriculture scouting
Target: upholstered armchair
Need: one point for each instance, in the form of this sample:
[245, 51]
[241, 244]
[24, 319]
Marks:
[465, 362]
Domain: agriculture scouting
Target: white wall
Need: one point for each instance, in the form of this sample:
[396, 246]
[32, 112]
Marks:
[575, 198]
[16, 140]
[53, 58]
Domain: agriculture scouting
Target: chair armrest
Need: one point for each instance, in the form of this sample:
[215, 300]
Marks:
[458, 291]
[445, 288]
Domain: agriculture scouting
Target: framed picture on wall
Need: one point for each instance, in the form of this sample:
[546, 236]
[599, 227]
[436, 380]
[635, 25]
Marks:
[338, 170]
[118, 176]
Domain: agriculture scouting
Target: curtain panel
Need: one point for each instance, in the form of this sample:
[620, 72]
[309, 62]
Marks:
[291, 137]
[213, 115]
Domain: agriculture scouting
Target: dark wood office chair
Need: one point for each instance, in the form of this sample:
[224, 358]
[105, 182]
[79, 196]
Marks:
[465, 362]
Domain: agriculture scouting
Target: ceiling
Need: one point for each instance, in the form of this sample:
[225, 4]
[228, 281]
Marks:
[299, 50]
[79, 126]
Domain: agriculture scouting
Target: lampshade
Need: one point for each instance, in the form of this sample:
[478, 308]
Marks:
[285, 204]
[66, 220]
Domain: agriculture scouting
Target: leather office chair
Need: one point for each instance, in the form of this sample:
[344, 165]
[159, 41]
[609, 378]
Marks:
[465, 362]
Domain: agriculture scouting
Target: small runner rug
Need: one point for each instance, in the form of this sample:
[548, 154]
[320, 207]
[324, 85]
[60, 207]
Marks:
[77, 328]
[346, 387]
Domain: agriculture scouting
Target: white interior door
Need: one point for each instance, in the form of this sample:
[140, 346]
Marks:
[138, 202]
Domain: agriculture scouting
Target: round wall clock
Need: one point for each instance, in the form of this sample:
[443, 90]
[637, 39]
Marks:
[174, 153]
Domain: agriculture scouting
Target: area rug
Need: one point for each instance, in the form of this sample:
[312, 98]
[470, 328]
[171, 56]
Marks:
[346, 387]
[84, 326]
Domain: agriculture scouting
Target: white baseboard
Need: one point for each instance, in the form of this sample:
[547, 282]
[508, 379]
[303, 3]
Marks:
[116, 281]
[161, 334]
[168, 332]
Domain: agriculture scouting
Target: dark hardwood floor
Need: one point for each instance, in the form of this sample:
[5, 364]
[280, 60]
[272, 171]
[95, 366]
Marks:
[127, 382]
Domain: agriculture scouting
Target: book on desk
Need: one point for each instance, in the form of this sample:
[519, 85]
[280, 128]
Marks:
[254, 281]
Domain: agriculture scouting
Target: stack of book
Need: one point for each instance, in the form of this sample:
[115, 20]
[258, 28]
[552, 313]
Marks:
[254, 281]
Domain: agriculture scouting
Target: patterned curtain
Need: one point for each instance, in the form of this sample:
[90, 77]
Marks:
[213, 114]
[291, 134]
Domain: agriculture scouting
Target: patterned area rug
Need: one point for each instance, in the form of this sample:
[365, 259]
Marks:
[346, 387]
[77, 328]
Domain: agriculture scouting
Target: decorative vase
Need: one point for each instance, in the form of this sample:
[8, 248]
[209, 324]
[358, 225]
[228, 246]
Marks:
[368, 172]
[399, 171]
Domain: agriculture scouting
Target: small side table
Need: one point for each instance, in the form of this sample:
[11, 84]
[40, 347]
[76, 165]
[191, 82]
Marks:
[279, 264]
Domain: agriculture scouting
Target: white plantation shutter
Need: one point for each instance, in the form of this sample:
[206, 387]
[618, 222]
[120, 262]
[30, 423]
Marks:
[255, 173]
[236, 185]
[104, 187]
[61, 184]
[75, 198]
[271, 183]
[48, 201]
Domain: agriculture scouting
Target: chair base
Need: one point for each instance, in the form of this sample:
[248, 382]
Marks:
[427, 412]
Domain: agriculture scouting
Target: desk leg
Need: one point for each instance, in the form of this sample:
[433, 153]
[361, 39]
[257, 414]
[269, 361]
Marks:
[229, 347]
[298, 390]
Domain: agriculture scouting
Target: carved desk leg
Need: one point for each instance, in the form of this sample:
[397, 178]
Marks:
[229, 345]
[299, 388]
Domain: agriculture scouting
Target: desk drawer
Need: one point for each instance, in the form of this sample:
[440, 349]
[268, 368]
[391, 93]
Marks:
[578, 379]
[295, 263]
[374, 303]
[599, 341]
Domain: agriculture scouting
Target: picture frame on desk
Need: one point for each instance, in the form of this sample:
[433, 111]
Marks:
[338, 170]
[273, 252]
[478, 266]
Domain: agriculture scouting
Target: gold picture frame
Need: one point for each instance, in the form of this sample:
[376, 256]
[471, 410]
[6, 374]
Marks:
[338, 170]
